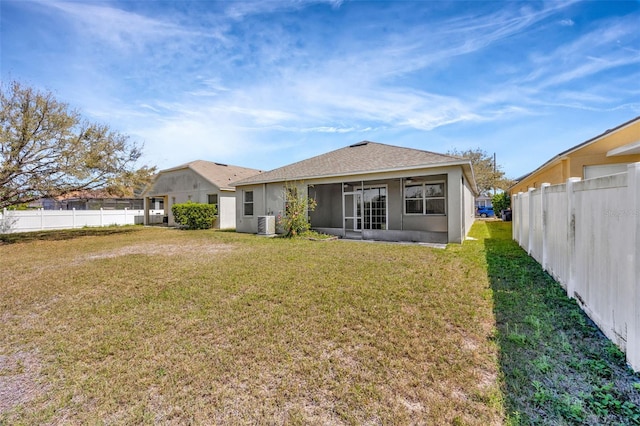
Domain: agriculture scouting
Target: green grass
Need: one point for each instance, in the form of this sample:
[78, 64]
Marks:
[148, 325]
[167, 326]
[557, 367]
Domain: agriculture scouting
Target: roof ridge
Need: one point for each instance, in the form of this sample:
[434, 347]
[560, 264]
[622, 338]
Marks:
[374, 156]
[457, 157]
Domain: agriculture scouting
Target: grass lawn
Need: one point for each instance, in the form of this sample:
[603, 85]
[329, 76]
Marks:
[150, 325]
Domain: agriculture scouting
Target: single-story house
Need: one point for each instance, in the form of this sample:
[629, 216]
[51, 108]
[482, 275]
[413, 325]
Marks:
[198, 181]
[90, 199]
[605, 154]
[370, 191]
[483, 201]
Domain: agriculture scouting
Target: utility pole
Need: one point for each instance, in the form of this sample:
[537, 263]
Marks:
[494, 173]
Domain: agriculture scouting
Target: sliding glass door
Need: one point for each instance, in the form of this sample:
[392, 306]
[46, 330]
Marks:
[365, 207]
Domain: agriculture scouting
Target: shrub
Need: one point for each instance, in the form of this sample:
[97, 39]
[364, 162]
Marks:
[194, 215]
[501, 202]
[295, 221]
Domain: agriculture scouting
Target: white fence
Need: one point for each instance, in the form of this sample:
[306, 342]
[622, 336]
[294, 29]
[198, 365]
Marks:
[586, 234]
[38, 220]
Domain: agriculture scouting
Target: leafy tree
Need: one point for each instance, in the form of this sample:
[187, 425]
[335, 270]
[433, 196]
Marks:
[131, 183]
[500, 201]
[194, 215]
[488, 176]
[47, 150]
[295, 220]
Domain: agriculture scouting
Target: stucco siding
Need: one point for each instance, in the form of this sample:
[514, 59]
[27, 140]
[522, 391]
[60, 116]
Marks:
[468, 211]
[454, 206]
[274, 202]
[553, 173]
[249, 223]
[184, 182]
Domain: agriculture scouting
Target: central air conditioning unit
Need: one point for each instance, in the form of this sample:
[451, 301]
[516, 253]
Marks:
[266, 225]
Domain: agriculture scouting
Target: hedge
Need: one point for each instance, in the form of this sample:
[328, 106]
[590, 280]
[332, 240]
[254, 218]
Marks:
[194, 215]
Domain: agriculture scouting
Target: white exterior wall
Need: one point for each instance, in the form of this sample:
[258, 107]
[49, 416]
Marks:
[586, 234]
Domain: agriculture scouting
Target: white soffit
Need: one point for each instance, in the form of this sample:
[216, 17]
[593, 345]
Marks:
[628, 149]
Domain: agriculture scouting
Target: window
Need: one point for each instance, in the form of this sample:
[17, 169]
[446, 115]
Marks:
[425, 198]
[248, 203]
[413, 199]
[213, 199]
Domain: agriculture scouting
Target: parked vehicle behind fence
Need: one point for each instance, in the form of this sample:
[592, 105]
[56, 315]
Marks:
[485, 212]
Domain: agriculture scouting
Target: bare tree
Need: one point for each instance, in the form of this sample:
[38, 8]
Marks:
[48, 150]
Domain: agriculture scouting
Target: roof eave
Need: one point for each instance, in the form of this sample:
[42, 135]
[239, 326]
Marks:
[565, 154]
[628, 149]
[358, 173]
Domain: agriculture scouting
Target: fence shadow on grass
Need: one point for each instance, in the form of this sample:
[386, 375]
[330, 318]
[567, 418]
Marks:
[65, 234]
[557, 367]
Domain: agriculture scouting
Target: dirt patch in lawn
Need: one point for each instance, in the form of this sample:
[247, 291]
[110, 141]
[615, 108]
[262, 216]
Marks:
[19, 373]
[196, 251]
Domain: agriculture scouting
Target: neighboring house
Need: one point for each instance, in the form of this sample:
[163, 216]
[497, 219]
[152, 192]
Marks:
[88, 200]
[483, 201]
[605, 154]
[370, 191]
[198, 181]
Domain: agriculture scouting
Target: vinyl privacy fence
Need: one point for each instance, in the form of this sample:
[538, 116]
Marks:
[586, 234]
[39, 220]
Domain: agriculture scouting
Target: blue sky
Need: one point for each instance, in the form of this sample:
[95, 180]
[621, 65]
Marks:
[263, 84]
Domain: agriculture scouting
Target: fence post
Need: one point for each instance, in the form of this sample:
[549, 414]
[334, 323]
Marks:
[531, 216]
[520, 224]
[125, 216]
[73, 218]
[101, 217]
[633, 326]
[514, 222]
[571, 237]
[41, 219]
[545, 218]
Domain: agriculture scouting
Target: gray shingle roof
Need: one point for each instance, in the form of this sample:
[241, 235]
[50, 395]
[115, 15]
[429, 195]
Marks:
[221, 175]
[362, 157]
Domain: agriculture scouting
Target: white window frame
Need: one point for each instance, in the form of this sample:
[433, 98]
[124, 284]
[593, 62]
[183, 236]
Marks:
[425, 198]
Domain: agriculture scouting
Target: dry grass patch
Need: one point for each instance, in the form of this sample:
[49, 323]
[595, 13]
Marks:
[163, 326]
[19, 373]
[198, 251]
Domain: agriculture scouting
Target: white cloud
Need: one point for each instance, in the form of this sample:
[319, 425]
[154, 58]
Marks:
[122, 29]
[222, 79]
